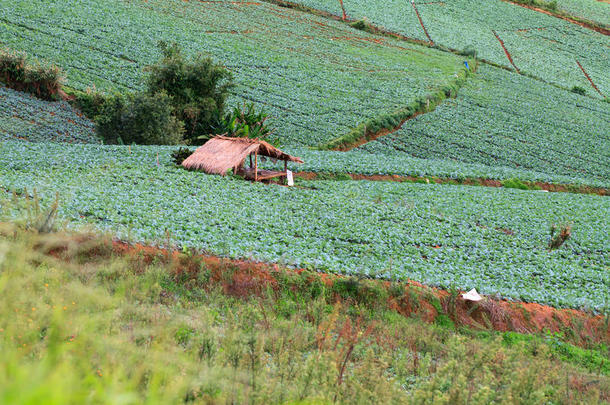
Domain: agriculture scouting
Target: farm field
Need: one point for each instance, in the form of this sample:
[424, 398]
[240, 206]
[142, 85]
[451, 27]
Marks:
[491, 239]
[540, 45]
[448, 145]
[315, 76]
[500, 118]
[592, 10]
[23, 116]
[112, 328]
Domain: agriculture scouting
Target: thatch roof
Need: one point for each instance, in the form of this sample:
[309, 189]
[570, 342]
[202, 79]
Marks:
[222, 153]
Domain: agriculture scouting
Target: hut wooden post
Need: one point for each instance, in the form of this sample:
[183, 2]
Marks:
[256, 166]
[286, 172]
[251, 161]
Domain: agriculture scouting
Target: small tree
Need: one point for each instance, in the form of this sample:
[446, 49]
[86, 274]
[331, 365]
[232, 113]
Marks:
[141, 118]
[198, 88]
[246, 122]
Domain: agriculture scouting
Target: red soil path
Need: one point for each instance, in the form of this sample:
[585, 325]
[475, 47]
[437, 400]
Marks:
[550, 187]
[583, 24]
[421, 22]
[589, 78]
[510, 58]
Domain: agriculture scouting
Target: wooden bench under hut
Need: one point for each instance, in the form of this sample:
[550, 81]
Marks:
[222, 153]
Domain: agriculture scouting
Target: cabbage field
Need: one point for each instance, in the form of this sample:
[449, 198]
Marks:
[507, 120]
[317, 77]
[540, 45]
[491, 239]
[593, 10]
[25, 117]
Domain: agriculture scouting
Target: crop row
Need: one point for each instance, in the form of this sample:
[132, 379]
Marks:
[318, 78]
[27, 118]
[540, 45]
[491, 239]
[22, 116]
[503, 119]
[592, 10]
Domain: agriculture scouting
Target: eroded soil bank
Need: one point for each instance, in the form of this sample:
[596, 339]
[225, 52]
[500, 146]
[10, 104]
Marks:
[241, 278]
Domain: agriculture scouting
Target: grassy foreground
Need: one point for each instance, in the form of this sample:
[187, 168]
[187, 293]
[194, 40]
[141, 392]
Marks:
[79, 324]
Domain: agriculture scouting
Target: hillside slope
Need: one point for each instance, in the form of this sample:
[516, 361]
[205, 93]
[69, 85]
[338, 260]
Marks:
[318, 78]
[492, 239]
[503, 119]
[538, 44]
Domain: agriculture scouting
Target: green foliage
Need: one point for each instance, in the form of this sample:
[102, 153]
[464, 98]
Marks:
[90, 102]
[198, 89]
[180, 154]
[104, 330]
[370, 128]
[593, 359]
[487, 128]
[514, 183]
[26, 117]
[470, 23]
[295, 83]
[423, 228]
[40, 80]
[139, 118]
[363, 25]
[245, 122]
[470, 51]
[444, 321]
[579, 90]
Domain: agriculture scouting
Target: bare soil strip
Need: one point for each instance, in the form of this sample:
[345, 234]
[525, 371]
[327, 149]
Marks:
[585, 24]
[510, 58]
[421, 22]
[541, 186]
[243, 278]
[589, 78]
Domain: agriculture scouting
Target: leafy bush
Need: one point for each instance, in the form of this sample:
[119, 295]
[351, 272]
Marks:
[42, 81]
[579, 90]
[141, 118]
[559, 235]
[198, 90]
[363, 25]
[515, 183]
[245, 122]
[180, 154]
[90, 102]
[469, 51]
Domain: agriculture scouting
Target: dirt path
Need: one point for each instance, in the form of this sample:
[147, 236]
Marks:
[584, 24]
[550, 187]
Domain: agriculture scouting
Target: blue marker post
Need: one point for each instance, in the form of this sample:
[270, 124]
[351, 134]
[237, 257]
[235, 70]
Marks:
[466, 64]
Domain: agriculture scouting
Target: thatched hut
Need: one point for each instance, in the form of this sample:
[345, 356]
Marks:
[222, 153]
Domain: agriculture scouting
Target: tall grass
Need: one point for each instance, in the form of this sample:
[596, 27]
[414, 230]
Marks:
[79, 324]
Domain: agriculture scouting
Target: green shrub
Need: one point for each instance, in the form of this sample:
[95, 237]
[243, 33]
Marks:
[245, 122]
[198, 90]
[179, 155]
[40, 80]
[469, 51]
[514, 183]
[363, 25]
[579, 90]
[90, 102]
[141, 118]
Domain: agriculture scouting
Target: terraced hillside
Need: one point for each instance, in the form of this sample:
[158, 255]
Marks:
[320, 78]
[25, 117]
[538, 44]
[503, 119]
[317, 77]
[492, 239]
